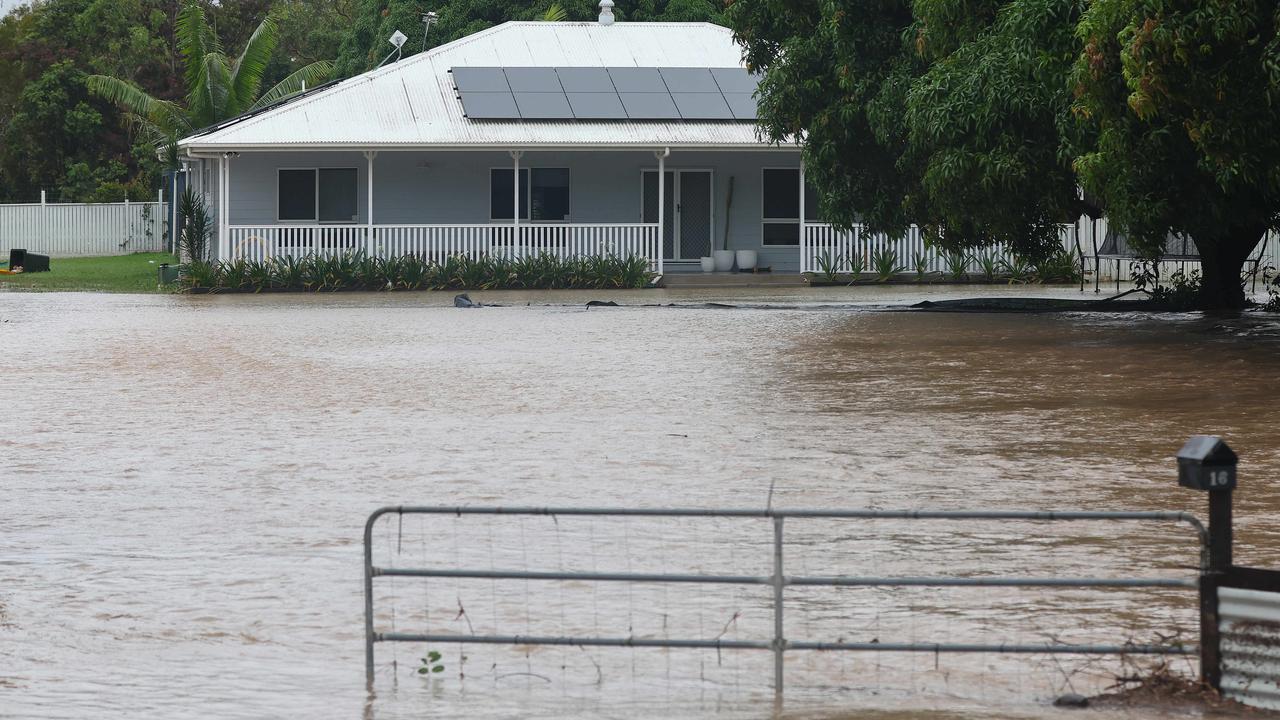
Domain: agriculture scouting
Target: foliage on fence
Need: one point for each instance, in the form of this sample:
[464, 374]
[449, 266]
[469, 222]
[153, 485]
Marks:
[358, 271]
[1061, 267]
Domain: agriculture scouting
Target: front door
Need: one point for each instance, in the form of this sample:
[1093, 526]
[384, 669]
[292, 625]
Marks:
[688, 231]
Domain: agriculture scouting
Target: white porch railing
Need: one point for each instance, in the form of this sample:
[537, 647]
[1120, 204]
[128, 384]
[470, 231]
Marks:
[437, 242]
[822, 245]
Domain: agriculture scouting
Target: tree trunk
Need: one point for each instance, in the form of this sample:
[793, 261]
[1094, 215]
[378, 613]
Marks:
[1221, 261]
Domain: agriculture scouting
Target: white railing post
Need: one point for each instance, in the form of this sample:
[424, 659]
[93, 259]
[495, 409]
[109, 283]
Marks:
[514, 248]
[662, 205]
[369, 247]
[804, 230]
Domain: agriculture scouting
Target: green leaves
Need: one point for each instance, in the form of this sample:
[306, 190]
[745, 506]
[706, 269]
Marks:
[431, 664]
[357, 271]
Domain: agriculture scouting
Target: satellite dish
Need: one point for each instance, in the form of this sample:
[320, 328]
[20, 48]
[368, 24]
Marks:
[398, 39]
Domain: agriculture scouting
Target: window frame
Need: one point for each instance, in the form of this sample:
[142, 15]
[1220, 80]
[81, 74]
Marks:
[315, 171]
[528, 198]
[803, 208]
[798, 222]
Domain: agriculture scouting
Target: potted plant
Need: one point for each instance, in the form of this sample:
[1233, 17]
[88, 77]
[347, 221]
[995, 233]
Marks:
[708, 264]
[747, 259]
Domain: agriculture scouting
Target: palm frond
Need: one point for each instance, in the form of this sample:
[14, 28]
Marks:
[196, 39]
[248, 69]
[555, 13]
[208, 101]
[124, 94]
[310, 76]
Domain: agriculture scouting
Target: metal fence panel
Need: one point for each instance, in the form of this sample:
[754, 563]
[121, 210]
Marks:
[84, 229]
[1249, 622]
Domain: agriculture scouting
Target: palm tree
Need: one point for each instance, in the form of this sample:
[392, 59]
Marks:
[218, 87]
[555, 13]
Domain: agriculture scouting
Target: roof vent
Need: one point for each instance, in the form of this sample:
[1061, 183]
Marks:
[606, 12]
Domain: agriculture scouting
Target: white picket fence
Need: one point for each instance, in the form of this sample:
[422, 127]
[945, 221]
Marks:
[438, 242]
[83, 229]
[824, 248]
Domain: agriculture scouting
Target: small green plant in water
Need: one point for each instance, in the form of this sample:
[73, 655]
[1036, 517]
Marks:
[957, 265]
[857, 264]
[920, 261]
[989, 264]
[829, 267]
[431, 664]
[884, 261]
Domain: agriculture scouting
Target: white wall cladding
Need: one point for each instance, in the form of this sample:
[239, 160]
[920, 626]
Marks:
[83, 229]
[1249, 621]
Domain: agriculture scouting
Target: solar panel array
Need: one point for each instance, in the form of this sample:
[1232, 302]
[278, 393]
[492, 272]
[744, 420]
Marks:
[589, 93]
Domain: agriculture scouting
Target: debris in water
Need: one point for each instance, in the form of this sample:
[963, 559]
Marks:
[463, 301]
[601, 303]
[1071, 700]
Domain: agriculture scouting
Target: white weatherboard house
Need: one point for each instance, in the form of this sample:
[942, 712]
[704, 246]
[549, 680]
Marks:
[627, 138]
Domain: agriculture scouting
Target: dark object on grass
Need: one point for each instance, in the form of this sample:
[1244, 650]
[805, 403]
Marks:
[1071, 700]
[463, 301]
[29, 262]
[601, 303]
[167, 274]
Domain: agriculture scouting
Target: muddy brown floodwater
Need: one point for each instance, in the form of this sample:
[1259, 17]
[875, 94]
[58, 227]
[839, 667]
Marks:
[185, 482]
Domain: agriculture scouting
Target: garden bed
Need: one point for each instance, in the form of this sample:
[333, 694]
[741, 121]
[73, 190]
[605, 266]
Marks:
[356, 271]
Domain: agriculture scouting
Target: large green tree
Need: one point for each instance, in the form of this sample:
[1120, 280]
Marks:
[218, 86]
[979, 119]
[55, 136]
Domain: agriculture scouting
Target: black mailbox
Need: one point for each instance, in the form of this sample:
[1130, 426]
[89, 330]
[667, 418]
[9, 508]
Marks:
[1207, 463]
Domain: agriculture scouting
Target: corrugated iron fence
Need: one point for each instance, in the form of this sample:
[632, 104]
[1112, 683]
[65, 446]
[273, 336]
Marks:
[84, 229]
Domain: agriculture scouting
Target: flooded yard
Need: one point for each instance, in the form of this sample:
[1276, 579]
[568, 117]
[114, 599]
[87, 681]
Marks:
[186, 481]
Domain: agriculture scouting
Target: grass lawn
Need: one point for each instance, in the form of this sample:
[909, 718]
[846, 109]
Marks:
[122, 273]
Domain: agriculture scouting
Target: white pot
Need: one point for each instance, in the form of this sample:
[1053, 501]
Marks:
[708, 264]
[747, 259]
[724, 260]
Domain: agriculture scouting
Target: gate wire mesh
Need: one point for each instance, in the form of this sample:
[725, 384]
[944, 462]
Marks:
[883, 548]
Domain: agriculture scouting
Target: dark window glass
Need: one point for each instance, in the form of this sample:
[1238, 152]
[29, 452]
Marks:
[297, 194]
[550, 194]
[782, 233]
[338, 195]
[782, 194]
[500, 194]
[811, 204]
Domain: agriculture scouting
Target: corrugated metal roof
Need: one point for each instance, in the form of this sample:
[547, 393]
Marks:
[413, 103]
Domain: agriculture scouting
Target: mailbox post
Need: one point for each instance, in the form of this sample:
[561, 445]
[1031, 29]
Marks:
[1208, 464]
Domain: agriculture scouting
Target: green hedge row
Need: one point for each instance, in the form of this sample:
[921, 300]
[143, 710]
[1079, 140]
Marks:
[357, 271]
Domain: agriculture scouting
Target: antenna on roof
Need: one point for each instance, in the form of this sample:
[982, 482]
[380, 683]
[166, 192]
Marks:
[398, 39]
[428, 19]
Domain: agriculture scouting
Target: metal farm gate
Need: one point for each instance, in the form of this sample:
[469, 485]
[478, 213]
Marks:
[778, 580]
[1238, 608]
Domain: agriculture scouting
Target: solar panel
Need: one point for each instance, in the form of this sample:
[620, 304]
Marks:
[480, 79]
[490, 106]
[689, 80]
[597, 106]
[702, 106]
[637, 80]
[544, 106]
[735, 80]
[533, 79]
[742, 105]
[650, 106]
[592, 93]
[585, 80]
